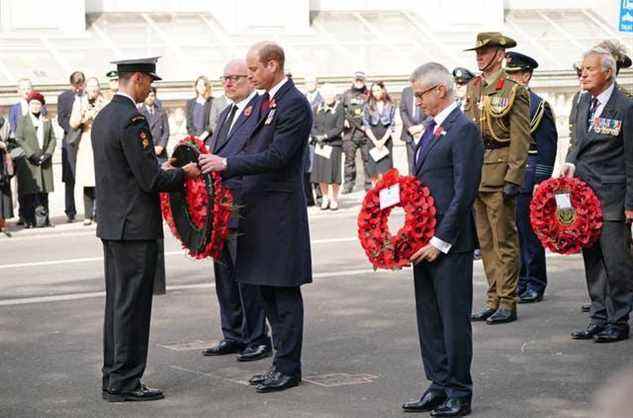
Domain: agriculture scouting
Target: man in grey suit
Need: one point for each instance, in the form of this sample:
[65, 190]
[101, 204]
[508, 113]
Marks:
[412, 128]
[602, 156]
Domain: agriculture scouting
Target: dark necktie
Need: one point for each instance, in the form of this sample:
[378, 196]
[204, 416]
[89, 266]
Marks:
[425, 141]
[265, 103]
[592, 112]
[226, 126]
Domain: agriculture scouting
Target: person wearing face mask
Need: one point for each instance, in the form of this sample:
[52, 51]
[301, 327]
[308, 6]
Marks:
[500, 107]
[85, 109]
[354, 138]
[35, 172]
[329, 119]
[462, 77]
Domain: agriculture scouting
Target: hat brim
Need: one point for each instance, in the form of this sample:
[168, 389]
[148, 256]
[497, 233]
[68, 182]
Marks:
[154, 76]
[508, 43]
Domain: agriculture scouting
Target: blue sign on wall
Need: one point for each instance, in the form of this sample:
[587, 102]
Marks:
[626, 16]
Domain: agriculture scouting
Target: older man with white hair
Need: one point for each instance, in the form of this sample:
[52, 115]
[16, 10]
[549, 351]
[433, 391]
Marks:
[602, 156]
[448, 160]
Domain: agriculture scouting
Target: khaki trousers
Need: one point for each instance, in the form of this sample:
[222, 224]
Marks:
[499, 245]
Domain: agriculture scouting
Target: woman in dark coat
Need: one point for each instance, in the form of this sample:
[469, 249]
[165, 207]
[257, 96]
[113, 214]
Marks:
[198, 109]
[379, 122]
[35, 172]
[6, 172]
[326, 135]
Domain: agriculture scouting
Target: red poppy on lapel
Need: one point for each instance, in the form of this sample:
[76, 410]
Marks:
[500, 83]
[248, 111]
[273, 104]
[439, 131]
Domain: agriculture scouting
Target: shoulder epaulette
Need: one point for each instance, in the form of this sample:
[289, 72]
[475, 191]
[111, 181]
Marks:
[137, 118]
[538, 116]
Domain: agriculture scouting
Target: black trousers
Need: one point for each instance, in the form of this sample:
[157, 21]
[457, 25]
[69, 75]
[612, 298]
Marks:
[242, 315]
[69, 199]
[284, 310]
[353, 141]
[609, 273]
[443, 296]
[129, 278]
[307, 188]
[31, 202]
[533, 272]
[89, 203]
[69, 160]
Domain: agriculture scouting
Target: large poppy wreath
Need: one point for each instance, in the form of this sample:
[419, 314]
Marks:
[567, 230]
[198, 216]
[383, 249]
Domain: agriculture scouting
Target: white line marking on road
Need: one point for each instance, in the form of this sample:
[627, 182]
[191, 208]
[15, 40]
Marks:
[168, 253]
[90, 295]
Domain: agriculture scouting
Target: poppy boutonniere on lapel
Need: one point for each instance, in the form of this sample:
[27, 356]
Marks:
[248, 111]
[273, 103]
[439, 131]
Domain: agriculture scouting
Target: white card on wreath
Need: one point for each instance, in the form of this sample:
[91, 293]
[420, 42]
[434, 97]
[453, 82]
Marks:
[563, 201]
[389, 196]
[324, 151]
[378, 154]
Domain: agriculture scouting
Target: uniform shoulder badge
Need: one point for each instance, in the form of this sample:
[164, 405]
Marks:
[144, 138]
[137, 118]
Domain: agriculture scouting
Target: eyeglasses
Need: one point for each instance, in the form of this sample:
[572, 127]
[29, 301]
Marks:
[233, 78]
[421, 94]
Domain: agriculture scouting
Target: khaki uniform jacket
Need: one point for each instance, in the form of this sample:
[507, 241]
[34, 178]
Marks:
[501, 110]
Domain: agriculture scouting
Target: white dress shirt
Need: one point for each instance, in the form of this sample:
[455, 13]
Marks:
[274, 89]
[241, 105]
[443, 246]
[603, 98]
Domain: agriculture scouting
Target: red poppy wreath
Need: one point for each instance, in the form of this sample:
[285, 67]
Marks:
[383, 249]
[566, 228]
[198, 216]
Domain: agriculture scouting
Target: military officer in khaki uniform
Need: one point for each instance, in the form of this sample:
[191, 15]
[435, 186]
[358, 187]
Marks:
[500, 107]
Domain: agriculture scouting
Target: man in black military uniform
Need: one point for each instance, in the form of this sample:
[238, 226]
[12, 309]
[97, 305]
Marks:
[462, 77]
[354, 137]
[540, 164]
[128, 179]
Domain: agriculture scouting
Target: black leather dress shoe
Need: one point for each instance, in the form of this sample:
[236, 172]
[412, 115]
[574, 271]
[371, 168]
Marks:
[502, 316]
[222, 348]
[612, 333]
[453, 407]
[427, 402]
[278, 381]
[587, 334]
[260, 378]
[483, 314]
[142, 393]
[530, 296]
[255, 352]
[586, 307]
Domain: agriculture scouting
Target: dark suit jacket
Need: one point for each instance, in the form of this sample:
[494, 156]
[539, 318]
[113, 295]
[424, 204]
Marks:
[603, 160]
[407, 114]
[191, 130]
[128, 177]
[159, 127]
[234, 143]
[545, 136]
[274, 242]
[70, 142]
[451, 169]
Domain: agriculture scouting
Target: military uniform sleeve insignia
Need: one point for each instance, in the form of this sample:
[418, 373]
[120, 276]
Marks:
[137, 118]
[144, 139]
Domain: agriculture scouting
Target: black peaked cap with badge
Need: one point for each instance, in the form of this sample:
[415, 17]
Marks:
[127, 171]
[462, 75]
[516, 62]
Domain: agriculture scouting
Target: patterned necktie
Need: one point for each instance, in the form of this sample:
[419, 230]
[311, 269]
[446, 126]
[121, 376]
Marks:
[592, 112]
[425, 141]
[265, 103]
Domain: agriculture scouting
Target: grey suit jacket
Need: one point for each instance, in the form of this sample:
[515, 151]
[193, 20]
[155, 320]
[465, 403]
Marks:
[604, 160]
[407, 114]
